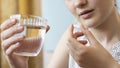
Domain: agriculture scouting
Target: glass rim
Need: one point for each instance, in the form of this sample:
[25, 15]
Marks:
[26, 17]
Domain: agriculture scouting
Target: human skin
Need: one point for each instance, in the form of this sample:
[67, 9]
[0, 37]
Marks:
[99, 20]
[100, 14]
[10, 43]
[102, 23]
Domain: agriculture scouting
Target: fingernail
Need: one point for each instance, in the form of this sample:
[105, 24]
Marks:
[18, 43]
[20, 27]
[12, 20]
[21, 37]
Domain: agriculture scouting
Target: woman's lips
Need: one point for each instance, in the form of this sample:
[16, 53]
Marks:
[86, 14]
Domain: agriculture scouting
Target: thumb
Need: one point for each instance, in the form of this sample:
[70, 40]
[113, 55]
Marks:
[70, 29]
[48, 28]
[89, 35]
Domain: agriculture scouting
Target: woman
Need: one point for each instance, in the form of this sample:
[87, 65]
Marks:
[102, 20]
[100, 23]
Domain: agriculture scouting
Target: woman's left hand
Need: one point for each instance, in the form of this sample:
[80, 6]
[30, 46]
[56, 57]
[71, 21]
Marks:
[93, 56]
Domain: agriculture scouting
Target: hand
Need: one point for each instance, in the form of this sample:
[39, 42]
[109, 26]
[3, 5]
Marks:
[10, 43]
[93, 56]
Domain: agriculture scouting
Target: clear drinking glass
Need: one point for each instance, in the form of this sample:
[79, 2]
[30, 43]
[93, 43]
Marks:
[34, 30]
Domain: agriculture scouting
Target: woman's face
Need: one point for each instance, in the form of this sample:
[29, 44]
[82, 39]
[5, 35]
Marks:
[91, 13]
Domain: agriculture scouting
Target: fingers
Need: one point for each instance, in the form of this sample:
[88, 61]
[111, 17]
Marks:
[10, 32]
[89, 35]
[84, 42]
[75, 48]
[12, 48]
[69, 32]
[77, 34]
[7, 24]
[70, 29]
[74, 45]
[9, 42]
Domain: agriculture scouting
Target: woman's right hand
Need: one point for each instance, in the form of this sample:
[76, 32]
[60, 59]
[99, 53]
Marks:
[10, 43]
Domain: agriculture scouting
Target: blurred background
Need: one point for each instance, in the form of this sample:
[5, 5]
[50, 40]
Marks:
[10, 7]
[59, 18]
[55, 11]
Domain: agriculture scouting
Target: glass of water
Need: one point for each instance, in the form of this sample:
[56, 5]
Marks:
[34, 30]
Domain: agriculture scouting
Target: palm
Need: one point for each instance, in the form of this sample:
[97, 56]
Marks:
[18, 61]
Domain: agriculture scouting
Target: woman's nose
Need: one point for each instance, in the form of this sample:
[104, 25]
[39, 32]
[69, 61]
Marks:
[80, 3]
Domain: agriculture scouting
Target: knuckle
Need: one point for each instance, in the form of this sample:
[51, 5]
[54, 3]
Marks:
[17, 30]
[8, 53]
[3, 45]
[2, 36]
[13, 30]
[1, 27]
[15, 39]
[84, 53]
